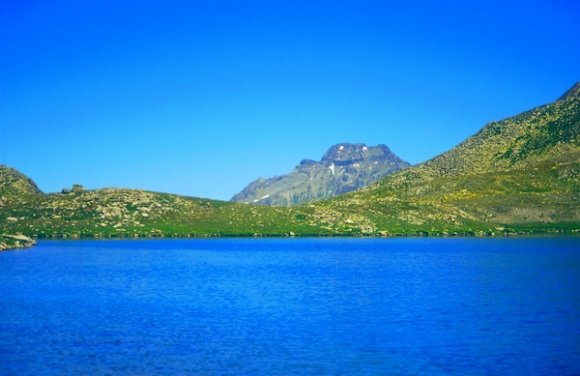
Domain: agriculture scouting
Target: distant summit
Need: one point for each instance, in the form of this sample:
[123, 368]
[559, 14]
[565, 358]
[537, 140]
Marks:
[344, 167]
[346, 154]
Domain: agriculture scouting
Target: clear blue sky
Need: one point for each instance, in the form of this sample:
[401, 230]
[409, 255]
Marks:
[201, 97]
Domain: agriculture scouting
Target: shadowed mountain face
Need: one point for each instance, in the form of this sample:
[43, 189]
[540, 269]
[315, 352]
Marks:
[343, 168]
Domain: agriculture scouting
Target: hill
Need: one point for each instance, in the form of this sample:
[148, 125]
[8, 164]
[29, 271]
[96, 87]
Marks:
[13, 183]
[520, 174]
[343, 168]
[112, 212]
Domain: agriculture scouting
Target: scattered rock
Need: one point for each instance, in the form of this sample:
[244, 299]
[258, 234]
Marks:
[8, 241]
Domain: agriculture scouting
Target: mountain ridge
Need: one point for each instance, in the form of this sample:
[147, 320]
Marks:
[517, 175]
[343, 168]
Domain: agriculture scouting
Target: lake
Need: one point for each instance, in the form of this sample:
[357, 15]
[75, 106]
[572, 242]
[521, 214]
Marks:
[404, 306]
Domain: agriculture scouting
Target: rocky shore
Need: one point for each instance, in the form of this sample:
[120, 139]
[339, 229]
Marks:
[15, 241]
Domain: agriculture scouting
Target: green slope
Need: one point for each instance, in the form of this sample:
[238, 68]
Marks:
[132, 213]
[519, 173]
[15, 184]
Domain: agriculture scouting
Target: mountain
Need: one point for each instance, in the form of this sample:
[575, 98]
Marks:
[518, 175]
[343, 168]
[521, 172]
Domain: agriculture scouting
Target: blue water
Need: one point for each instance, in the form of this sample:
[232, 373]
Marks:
[419, 306]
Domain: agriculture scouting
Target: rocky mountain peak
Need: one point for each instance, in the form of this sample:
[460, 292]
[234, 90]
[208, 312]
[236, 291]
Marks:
[343, 168]
[347, 153]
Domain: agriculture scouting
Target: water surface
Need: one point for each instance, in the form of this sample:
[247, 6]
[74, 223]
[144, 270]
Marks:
[417, 306]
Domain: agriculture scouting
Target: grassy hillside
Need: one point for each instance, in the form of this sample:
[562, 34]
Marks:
[15, 184]
[518, 174]
[132, 213]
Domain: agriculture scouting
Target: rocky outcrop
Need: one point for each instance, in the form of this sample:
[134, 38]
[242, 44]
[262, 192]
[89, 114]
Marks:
[343, 168]
[15, 241]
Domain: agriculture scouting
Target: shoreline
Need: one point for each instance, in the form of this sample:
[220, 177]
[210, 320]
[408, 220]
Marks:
[20, 241]
[515, 234]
